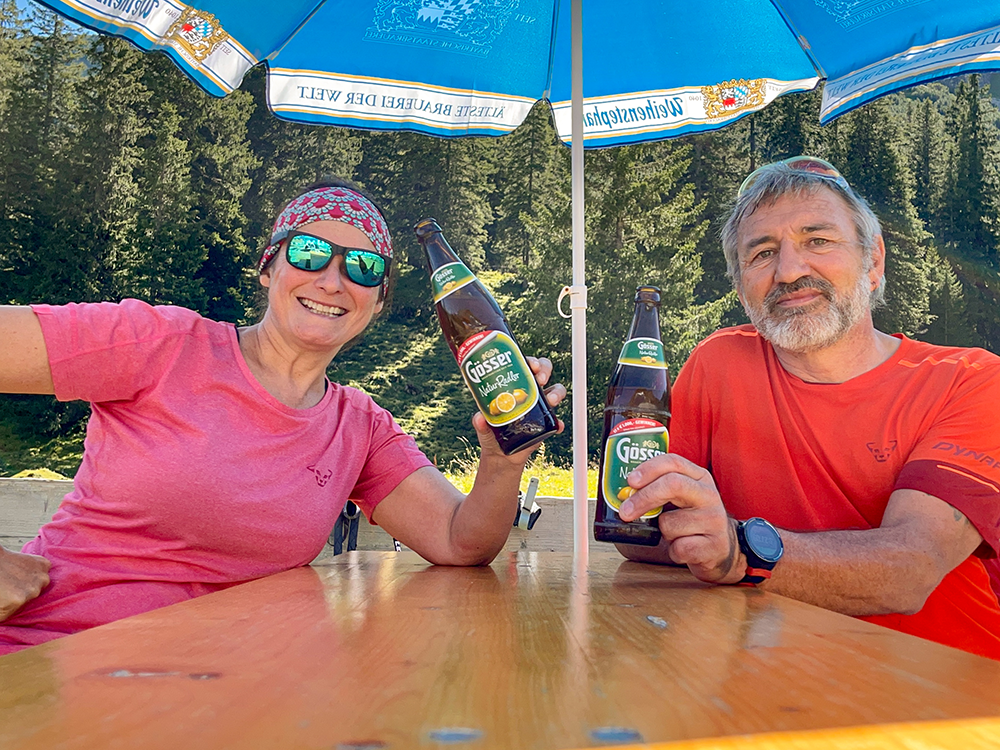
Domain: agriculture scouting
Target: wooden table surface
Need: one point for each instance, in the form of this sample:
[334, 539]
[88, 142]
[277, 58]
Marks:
[381, 650]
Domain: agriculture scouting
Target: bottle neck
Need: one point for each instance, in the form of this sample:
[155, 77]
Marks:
[645, 322]
[438, 251]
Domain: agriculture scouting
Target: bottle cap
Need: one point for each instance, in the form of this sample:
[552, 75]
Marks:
[647, 293]
[426, 227]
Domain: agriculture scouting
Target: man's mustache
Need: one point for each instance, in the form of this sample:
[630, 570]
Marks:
[823, 286]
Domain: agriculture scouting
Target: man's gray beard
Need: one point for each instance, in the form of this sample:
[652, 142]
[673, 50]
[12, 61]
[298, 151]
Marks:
[804, 330]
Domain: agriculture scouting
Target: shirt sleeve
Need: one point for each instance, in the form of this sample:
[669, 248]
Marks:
[110, 352]
[392, 456]
[958, 459]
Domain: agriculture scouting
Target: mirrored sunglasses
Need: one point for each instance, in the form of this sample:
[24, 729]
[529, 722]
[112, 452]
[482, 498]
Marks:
[810, 164]
[309, 253]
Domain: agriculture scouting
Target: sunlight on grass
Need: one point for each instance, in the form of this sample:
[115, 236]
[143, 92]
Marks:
[553, 480]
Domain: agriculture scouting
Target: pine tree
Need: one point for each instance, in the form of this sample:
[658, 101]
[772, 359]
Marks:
[35, 185]
[787, 127]
[928, 155]
[107, 197]
[289, 157]
[969, 234]
[416, 176]
[877, 170]
[12, 54]
[531, 162]
[419, 176]
[167, 254]
[643, 227]
[971, 204]
[950, 325]
[222, 162]
[719, 163]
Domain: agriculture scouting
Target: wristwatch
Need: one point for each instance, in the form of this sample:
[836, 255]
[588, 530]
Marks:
[761, 543]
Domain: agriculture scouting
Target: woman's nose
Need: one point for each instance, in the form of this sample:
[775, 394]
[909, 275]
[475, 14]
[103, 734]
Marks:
[333, 277]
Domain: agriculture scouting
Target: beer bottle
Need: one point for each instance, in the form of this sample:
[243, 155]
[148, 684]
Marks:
[636, 423]
[502, 384]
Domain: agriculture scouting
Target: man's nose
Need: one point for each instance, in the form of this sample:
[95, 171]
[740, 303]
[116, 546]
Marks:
[792, 264]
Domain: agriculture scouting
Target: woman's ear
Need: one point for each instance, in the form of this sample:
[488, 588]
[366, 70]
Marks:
[265, 277]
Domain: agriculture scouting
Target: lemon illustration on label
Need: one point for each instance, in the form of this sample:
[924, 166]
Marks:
[520, 396]
[504, 403]
[625, 493]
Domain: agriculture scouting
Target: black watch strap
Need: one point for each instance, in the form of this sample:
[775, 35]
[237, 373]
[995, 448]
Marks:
[758, 568]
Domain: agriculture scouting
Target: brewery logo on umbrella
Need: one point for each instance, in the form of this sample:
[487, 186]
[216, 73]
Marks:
[468, 26]
[852, 13]
[196, 34]
[730, 97]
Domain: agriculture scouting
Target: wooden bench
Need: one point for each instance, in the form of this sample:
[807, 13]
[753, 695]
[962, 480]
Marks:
[26, 504]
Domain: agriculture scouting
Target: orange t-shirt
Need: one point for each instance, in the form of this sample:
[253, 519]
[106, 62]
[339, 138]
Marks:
[818, 456]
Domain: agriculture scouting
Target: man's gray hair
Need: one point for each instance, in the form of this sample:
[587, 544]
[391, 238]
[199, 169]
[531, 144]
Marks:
[777, 180]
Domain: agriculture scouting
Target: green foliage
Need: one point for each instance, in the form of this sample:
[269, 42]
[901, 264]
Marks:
[289, 157]
[971, 206]
[877, 168]
[119, 177]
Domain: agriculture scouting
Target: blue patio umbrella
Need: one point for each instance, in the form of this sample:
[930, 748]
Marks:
[614, 72]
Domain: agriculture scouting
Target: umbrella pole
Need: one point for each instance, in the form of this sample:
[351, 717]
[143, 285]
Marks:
[578, 305]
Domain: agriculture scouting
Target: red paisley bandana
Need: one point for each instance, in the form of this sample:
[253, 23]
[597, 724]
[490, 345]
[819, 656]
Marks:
[330, 204]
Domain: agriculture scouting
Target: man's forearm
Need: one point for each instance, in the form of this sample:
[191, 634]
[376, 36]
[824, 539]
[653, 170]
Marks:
[870, 572]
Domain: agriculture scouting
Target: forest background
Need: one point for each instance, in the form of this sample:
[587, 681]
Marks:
[120, 178]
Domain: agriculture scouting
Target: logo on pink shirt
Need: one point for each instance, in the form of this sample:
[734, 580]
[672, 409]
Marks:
[322, 477]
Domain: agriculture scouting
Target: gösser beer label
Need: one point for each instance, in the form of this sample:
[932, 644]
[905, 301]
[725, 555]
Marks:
[629, 444]
[449, 278]
[643, 352]
[498, 376]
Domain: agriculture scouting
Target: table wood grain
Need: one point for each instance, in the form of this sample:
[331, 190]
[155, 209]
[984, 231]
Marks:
[382, 650]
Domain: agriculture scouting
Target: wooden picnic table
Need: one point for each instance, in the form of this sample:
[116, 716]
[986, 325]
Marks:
[381, 650]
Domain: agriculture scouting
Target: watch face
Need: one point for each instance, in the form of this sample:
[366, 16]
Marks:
[763, 540]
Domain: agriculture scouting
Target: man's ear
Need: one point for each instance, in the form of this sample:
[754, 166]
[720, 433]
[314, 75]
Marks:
[265, 277]
[878, 262]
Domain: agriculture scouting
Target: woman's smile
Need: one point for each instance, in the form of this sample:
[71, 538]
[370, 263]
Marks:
[327, 311]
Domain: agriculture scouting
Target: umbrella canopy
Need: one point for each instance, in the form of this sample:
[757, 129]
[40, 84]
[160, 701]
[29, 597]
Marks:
[653, 69]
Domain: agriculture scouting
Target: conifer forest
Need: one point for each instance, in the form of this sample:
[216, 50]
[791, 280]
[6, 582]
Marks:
[120, 178]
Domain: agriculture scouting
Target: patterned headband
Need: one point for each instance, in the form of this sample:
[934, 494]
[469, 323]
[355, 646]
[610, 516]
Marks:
[330, 204]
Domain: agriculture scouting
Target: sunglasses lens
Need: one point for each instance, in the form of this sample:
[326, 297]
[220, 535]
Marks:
[309, 253]
[816, 166]
[365, 268]
[800, 164]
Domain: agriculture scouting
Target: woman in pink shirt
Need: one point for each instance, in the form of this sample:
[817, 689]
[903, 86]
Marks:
[215, 455]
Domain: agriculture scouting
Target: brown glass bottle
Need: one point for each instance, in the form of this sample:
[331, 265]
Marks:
[491, 362]
[636, 423]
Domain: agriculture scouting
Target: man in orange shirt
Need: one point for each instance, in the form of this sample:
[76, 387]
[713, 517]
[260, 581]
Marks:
[818, 457]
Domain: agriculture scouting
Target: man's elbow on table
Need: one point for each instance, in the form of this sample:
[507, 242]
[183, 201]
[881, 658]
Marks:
[915, 584]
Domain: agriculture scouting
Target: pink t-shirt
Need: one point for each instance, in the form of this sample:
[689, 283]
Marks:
[194, 477]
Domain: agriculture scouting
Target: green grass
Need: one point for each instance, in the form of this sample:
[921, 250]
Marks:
[61, 454]
[553, 480]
